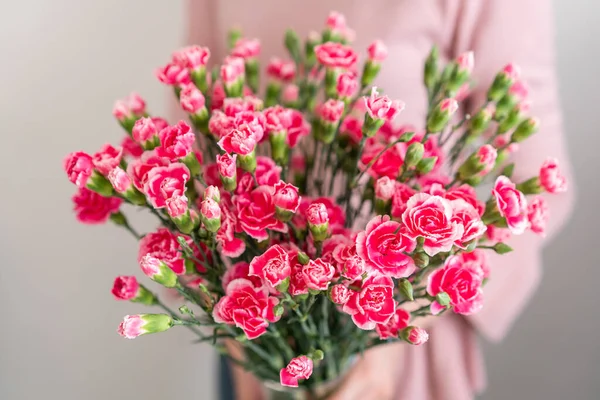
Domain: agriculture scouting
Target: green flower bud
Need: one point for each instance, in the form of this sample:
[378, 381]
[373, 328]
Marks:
[414, 154]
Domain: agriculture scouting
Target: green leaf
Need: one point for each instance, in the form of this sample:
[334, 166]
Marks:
[508, 170]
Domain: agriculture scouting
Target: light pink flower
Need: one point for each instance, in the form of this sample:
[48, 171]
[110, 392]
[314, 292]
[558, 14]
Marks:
[177, 205]
[79, 167]
[107, 158]
[92, 208]
[353, 267]
[336, 22]
[232, 70]
[347, 85]
[173, 75]
[417, 336]
[385, 188]
[392, 328]
[119, 180]
[132, 326]
[191, 99]
[125, 287]
[290, 93]
[277, 119]
[449, 106]
[538, 214]
[384, 247]
[176, 141]
[144, 130]
[513, 71]
[402, 193]
[247, 307]
[318, 274]
[497, 235]
[519, 90]
[163, 245]
[461, 282]
[466, 61]
[487, 158]
[138, 169]
[229, 244]
[165, 182]
[192, 57]
[373, 304]
[298, 128]
[298, 368]
[129, 107]
[378, 51]
[256, 213]
[466, 215]
[281, 70]
[336, 55]
[430, 217]
[381, 107]
[232, 106]
[339, 294]
[331, 111]
[551, 178]
[227, 165]
[246, 48]
[273, 266]
[512, 204]
[335, 213]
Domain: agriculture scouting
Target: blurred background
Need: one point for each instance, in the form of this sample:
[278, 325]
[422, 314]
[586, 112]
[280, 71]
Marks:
[63, 65]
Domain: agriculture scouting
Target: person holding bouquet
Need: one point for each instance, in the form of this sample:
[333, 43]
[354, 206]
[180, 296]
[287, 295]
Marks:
[450, 365]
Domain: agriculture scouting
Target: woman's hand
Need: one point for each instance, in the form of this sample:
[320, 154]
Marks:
[374, 375]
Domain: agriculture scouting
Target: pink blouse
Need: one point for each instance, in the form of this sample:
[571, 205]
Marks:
[450, 365]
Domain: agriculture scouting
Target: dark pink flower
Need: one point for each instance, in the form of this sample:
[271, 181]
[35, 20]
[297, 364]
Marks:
[286, 196]
[467, 193]
[273, 266]
[267, 172]
[461, 282]
[163, 246]
[416, 336]
[232, 70]
[384, 247]
[318, 274]
[227, 165]
[430, 217]
[336, 55]
[297, 128]
[164, 183]
[131, 147]
[392, 328]
[176, 141]
[402, 193]
[246, 48]
[191, 99]
[173, 74]
[92, 208]
[79, 167]
[281, 70]
[339, 294]
[192, 57]
[297, 283]
[466, 215]
[144, 131]
[298, 368]
[107, 158]
[138, 169]
[239, 270]
[331, 111]
[373, 304]
[511, 204]
[125, 287]
[256, 213]
[316, 214]
[229, 244]
[347, 85]
[242, 142]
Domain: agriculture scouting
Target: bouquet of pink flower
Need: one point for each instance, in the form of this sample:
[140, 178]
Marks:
[304, 225]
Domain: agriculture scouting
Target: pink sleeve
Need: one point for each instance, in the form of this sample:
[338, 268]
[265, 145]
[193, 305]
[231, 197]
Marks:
[519, 31]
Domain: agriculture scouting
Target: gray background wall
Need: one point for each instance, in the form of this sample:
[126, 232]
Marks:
[63, 64]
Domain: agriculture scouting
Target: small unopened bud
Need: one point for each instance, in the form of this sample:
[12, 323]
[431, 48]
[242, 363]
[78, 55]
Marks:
[421, 260]
[318, 221]
[431, 68]
[406, 289]
[426, 165]
[502, 248]
[480, 122]
[414, 335]
[502, 82]
[443, 299]
[303, 258]
[212, 192]
[158, 271]
[292, 44]
[210, 214]
[441, 114]
[479, 163]
[137, 325]
[525, 129]
[414, 154]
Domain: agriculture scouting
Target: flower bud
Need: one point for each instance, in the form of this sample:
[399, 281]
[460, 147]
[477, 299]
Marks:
[431, 73]
[226, 165]
[158, 271]
[551, 178]
[318, 221]
[290, 95]
[128, 288]
[441, 114]
[463, 66]
[303, 258]
[525, 129]
[406, 289]
[145, 133]
[384, 190]
[426, 165]
[210, 214]
[137, 325]
[247, 162]
[377, 52]
[339, 294]
[313, 40]
[414, 335]
[212, 192]
[479, 163]
[421, 259]
[502, 82]
[480, 122]
[510, 120]
[347, 86]
[414, 154]
[233, 76]
[286, 200]
[121, 182]
[292, 44]
[100, 184]
[330, 114]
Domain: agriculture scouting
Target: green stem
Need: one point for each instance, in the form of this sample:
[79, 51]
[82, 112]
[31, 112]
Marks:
[174, 315]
